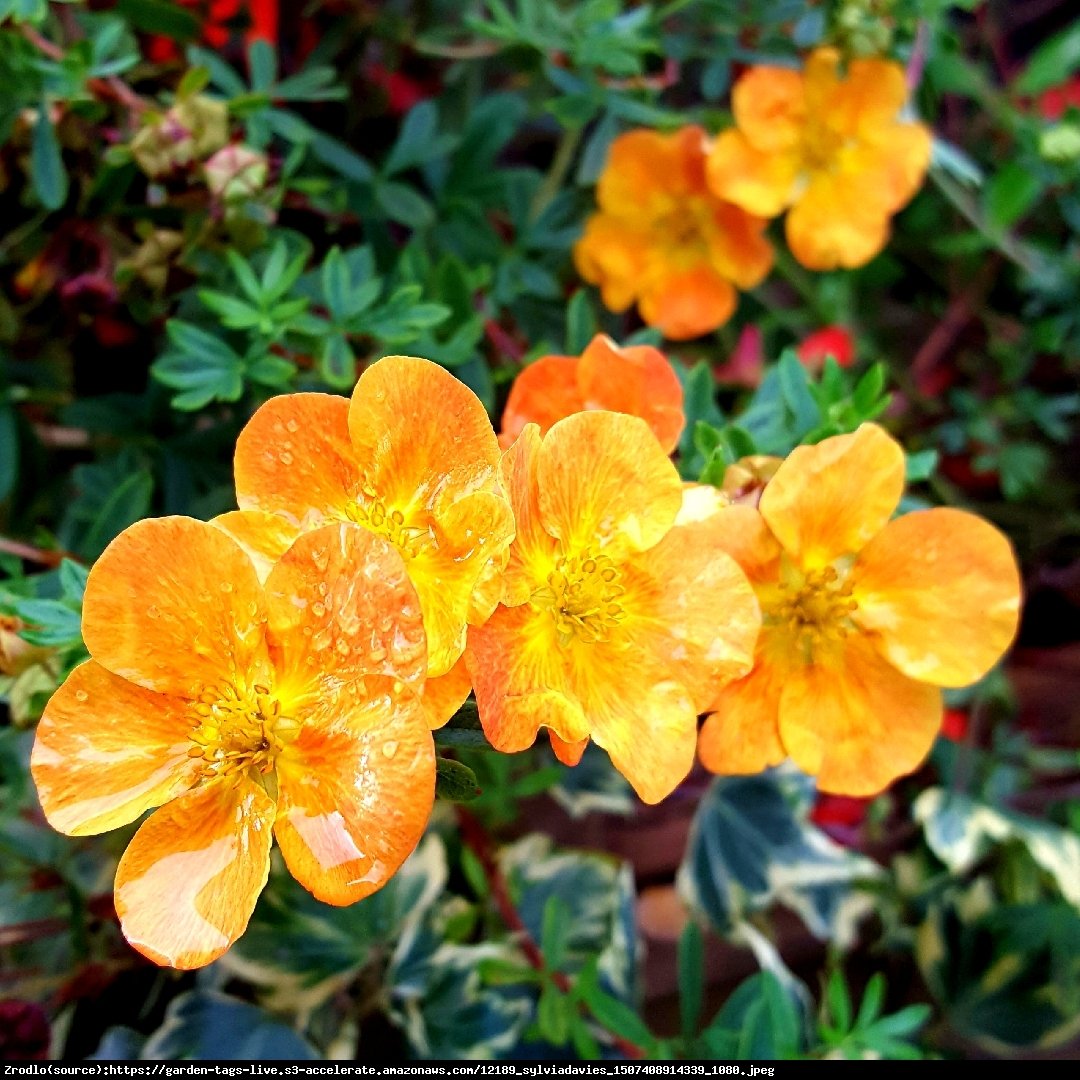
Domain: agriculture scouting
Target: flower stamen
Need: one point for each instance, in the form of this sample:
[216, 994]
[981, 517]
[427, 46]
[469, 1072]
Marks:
[583, 595]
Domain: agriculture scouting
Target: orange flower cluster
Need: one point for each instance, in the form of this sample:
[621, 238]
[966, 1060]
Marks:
[829, 149]
[681, 217]
[277, 672]
[664, 240]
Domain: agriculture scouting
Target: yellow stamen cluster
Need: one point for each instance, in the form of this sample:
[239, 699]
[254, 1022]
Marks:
[814, 606]
[238, 729]
[582, 593]
[374, 514]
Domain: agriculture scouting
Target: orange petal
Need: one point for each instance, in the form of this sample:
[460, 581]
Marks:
[649, 729]
[468, 535]
[418, 433]
[701, 619]
[894, 167]
[741, 532]
[686, 303]
[870, 96]
[855, 722]
[355, 791]
[742, 735]
[108, 750]
[605, 483]
[762, 182]
[737, 245]
[569, 753]
[294, 458]
[769, 107]
[837, 223]
[521, 680]
[340, 608]
[544, 391]
[942, 589]
[532, 554]
[188, 882]
[264, 537]
[175, 605]
[614, 256]
[445, 694]
[637, 380]
[830, 500]
[648, 173]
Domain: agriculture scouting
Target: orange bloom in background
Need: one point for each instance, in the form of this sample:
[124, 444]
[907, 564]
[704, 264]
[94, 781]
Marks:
[638, 380]
[664, 240]
[241, 710]
[829, 149]
[834, 341]
[614, 624]
[413, 458]
[863, 618]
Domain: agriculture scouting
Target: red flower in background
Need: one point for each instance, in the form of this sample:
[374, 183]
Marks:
[24, 1031]
[1053, 103]
[839, 811]
[954, 725]
[217, 15]
[834, 341]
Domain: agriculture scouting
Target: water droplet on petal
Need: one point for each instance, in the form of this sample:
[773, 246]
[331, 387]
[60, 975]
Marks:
[389, 749]
[292, 425]
[81, 695]
[153, 612]
[285, 457]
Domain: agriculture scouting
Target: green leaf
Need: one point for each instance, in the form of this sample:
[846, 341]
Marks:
[262, 63]
[1011, 193]
[404, 205]
[553, 933]
[419, 140]
[751, 845]
[339, 157]
[454, 781]
[160, 17]
[553, 1015]
[838, 1001]
[46, 162]
[581, 325]
[691, 977]
[1051, 64]
[614, 1015]
[336, 284]
[921, 465]
[795, 388]
[9, 450]
[204, 1024]
[73, 580]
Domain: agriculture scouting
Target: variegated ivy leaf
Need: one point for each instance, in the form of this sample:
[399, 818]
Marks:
[751, 846]
[960, 831]
[439, 1000]
[594, 786]
[302, 950]
[597, 894]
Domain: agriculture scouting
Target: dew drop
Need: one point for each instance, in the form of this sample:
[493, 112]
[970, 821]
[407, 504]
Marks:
[285, 457]
[153, 612]
[342, 647]
[81, 695]
[389, 749]
[292, 425]
[226, 587]
[318, 610]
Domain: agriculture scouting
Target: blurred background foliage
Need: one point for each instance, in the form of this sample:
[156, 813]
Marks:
[208, 203]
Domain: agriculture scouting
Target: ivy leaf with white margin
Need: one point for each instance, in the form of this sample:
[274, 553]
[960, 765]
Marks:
[303, 951]
[751, 846]
[960, 831]
[598, 892]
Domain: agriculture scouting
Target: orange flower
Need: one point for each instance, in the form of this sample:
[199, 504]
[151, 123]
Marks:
[829, 148]
[637, 380]
[661, 238]
[608, 627]
[413, 458]
[864, 618]
[241, 709]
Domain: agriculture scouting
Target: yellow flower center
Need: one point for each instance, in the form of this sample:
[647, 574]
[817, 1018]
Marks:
[685, 229]
[390, 523]
[582, 594]
[815, 606]
[238, 729]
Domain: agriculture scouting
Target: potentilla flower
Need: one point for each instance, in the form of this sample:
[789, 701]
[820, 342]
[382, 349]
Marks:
[637, 379]
[664, 240]
[864, 618]
[828, 148]
[413, 458]
[615, 625]
[241, 710]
